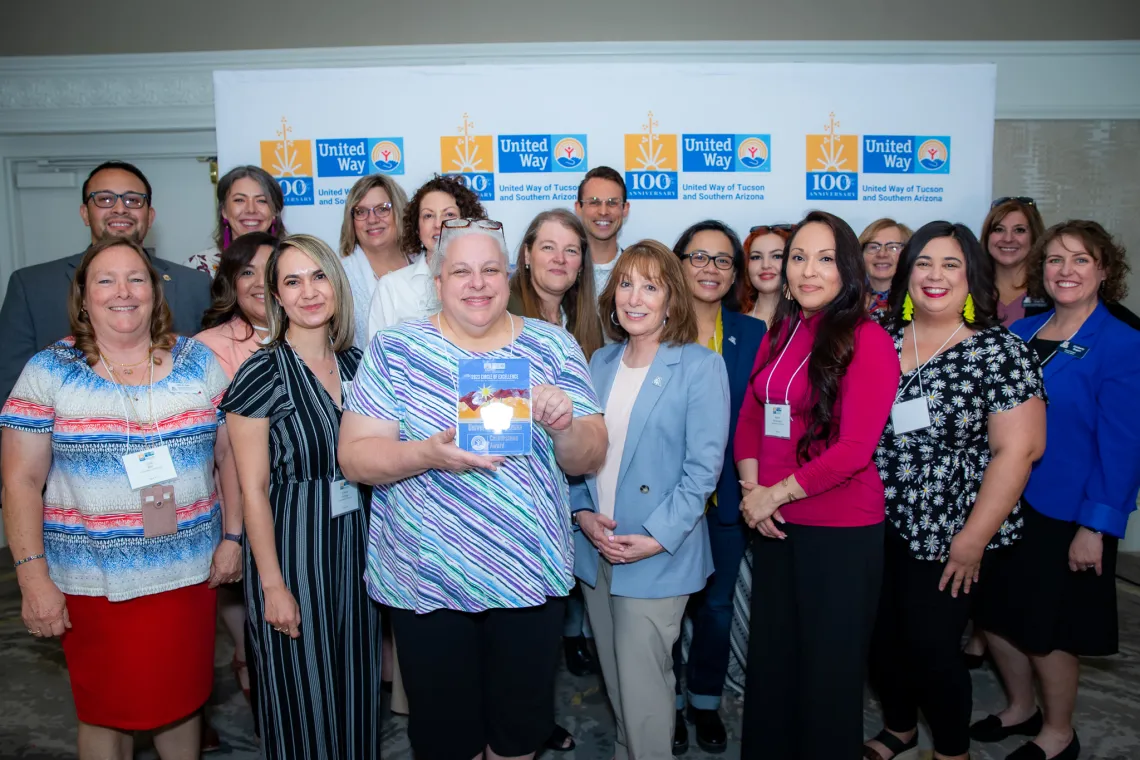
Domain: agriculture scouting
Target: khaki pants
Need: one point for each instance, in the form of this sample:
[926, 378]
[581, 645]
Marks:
[635, 640]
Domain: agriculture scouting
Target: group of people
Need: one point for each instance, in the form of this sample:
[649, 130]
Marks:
[898, 433]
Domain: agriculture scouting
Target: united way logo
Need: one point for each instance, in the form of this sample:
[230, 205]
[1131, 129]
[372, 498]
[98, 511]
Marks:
[651, 163]
[471, 158]
[906, 154]
[290, 161]
[521, 154]
[358, 156]
[832, 164]
[725, 153]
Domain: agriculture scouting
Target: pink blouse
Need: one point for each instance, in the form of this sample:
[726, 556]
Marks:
[232, 342]
[841, 481]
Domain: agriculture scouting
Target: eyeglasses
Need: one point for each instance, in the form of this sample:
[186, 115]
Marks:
[700, 260]
[381, 210]
[458, 224]
[766, 228]
[1019, 198]
[892, 248]
[107, 199]
[597, 203]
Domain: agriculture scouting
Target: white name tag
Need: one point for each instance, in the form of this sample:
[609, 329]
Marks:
[146, 468]
[778, 420]
[910, 415]
[180, 388]
[345, 497]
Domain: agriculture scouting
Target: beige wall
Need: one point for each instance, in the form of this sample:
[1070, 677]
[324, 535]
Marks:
[74, 27]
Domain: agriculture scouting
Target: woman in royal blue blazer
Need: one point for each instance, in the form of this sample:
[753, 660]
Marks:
[1052, 597]
[643, 544]
[712, 260]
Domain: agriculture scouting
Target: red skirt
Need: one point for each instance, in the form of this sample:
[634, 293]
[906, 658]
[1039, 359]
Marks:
[143, 663]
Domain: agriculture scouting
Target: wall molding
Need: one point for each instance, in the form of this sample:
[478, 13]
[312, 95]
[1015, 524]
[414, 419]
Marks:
[174, 92]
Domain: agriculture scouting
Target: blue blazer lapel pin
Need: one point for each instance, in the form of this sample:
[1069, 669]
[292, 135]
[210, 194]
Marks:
[732, 339]
[657, 381]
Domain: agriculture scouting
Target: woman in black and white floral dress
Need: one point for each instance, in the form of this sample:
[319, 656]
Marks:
[968, 423]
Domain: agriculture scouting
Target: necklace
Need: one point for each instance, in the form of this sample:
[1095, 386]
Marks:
[127, 369]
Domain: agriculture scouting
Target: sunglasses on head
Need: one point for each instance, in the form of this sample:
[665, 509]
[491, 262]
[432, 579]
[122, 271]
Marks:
[1019, 198]
[766, 228]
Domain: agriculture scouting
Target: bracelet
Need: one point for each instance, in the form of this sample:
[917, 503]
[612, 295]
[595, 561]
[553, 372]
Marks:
[235, 537]
[19, 562]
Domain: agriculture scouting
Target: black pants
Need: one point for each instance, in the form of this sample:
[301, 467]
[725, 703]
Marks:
[915, 658]
[814, 599]
[479, 679]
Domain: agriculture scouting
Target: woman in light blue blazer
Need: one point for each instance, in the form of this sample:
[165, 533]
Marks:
[643, 543]
[1052, 597]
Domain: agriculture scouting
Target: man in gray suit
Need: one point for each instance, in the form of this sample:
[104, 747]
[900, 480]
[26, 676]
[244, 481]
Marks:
[117, 203]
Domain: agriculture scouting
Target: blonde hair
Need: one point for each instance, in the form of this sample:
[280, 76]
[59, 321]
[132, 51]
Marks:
[877, 226]
[363, 186]
[655, 262]
[342, 325]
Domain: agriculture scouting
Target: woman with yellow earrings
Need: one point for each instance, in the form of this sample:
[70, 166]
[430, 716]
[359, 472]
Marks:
[966, 426]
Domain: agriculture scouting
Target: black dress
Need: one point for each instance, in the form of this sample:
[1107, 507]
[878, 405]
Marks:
[319, 694]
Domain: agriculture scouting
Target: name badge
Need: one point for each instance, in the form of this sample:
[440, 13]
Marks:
[146, 468]
[778, 420]
[159, 511]
[345, 497]
[1072, 349]
[910, 415]
[185, 388]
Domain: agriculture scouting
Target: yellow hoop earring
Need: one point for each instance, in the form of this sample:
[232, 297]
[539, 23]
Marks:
[968, 312]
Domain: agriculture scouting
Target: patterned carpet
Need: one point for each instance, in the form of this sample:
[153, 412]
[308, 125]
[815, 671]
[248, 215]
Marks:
[37, 720]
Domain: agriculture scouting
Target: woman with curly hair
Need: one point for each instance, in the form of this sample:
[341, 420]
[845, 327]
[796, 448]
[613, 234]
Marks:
[1052, 598]
[409, 293]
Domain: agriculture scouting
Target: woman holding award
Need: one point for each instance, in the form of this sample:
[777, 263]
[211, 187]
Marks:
[478, 603]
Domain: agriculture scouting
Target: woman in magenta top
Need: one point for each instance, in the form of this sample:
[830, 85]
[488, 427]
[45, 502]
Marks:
[820, 395]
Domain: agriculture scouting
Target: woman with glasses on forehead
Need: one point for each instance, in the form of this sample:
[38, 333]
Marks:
[409, 293]
[712, 259]
[371, 244]
[759, 292]
[471, 552]
[882, 242]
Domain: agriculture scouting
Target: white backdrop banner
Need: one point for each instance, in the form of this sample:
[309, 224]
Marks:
[745, 143]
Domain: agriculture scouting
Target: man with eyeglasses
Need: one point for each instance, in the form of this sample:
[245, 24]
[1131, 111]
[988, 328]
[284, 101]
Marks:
[603, 208]
[116, 203]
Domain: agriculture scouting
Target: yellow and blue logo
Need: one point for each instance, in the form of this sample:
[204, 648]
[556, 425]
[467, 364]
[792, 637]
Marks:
[358, 156]
[725, 153]
[524, 154]
[906, 154]
[651, 163]
[471, 158]
[832, 164]
[290, 161]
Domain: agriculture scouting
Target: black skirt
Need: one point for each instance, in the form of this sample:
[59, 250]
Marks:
[1029, 595]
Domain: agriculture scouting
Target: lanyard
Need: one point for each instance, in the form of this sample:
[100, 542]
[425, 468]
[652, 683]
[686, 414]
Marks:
[124, 398]
[454, 372]
[919, 367]
[1042, 327]
[788, 390]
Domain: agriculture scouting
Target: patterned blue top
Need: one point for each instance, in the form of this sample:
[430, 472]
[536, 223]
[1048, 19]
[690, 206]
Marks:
[475, 540]
[93, 528]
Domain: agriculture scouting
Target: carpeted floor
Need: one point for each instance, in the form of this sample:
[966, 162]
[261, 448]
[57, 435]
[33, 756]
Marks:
[37, 720]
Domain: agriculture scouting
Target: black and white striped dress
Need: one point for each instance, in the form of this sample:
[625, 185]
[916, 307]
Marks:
[318, 694]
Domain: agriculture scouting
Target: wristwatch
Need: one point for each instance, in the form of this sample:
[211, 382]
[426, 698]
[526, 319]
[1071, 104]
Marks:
[235, 537]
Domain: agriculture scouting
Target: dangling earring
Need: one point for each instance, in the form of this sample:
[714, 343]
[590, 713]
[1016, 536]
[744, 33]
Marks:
[227, 234]
[908, 309]
[787, 292]
[968, 309]
[665, 321]
[613, 318]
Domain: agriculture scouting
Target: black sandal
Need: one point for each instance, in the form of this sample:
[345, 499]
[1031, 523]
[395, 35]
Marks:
[896, 745]
[557, 740]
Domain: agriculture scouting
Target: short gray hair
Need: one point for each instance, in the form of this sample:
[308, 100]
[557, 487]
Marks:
[448, 236]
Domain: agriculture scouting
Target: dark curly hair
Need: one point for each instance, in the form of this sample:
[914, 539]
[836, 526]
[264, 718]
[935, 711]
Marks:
[834, 342]
[1095, 240]
[465, 198]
